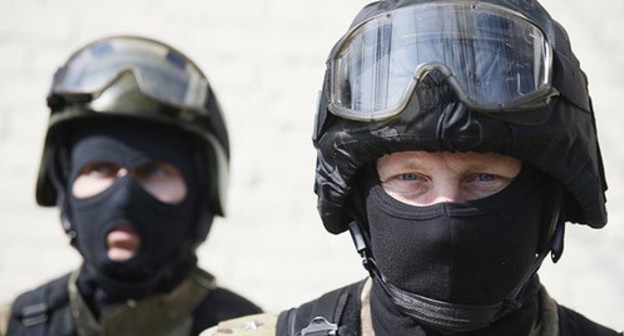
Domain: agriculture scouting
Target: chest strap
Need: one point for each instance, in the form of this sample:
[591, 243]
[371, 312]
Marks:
[333, 314]
[32, 310]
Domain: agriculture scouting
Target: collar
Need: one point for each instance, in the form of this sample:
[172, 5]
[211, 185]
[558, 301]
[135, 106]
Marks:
[158, 314]
[547, 325]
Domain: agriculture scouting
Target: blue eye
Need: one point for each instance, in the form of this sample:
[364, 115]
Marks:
[409, 177]
[486, 177]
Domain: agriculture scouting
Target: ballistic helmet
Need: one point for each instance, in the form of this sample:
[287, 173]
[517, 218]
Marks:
[142, 81]
[484, 76]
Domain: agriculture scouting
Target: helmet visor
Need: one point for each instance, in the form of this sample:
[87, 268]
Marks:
[162, 73]
[494, 58]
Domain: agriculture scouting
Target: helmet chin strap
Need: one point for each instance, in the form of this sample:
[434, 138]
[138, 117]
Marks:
[450, 317]
[59, 173]
[556, 247]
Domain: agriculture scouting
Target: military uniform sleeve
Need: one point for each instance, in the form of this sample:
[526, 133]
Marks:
[5, 314]
[252, 325]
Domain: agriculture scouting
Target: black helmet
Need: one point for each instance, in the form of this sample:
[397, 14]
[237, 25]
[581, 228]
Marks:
[137, 79]
[535, 107]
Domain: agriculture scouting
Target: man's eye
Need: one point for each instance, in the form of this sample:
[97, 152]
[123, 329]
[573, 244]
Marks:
[486, 177]
[409, 177]
[156, 170]
[483, 184]
[153, 170]
[103, 169]
[100, 169]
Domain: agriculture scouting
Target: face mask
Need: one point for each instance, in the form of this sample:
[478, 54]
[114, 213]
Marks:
[452, 265]
[166, 250]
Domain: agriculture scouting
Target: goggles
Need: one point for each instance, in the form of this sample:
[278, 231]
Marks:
[162, 73]
[495, 59]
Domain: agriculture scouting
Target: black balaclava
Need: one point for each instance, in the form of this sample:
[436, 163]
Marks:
[388, 318]
[458, 266]
[167, 248]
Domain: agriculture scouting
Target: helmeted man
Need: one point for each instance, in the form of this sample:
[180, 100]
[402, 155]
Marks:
[454, 141]
[136, 157]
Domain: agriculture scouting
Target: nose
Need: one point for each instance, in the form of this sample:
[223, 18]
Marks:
[447, 190]
[124, 192]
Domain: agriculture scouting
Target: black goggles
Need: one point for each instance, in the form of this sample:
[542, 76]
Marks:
[162, 73]
[495, 59]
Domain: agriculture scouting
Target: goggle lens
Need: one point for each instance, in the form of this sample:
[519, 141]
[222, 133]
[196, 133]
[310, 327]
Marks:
[161, 72]
[494, 57]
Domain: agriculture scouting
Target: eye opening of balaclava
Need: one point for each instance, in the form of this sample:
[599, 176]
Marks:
[450, 277]
[167, 232]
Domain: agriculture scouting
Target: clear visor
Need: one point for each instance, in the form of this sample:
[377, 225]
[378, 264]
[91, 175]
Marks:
[494, 58]
[162, 73]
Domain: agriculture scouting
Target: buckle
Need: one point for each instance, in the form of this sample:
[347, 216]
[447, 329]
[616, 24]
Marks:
[320, 327]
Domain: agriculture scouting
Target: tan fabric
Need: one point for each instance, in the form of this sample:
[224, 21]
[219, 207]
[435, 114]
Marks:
[365, 311]
[164, 315]
[253, 325]
[5, 313]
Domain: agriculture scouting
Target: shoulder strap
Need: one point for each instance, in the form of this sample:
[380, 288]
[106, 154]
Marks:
[335, 313]
[31, 311]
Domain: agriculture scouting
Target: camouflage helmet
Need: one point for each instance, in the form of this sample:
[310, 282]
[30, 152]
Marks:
[136, 79]
[552, 127]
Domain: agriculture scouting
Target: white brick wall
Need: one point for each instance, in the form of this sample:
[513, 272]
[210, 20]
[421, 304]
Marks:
[265, 60]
